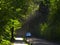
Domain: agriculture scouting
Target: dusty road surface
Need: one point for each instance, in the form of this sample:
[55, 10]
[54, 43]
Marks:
[19, 41]
[34, 41]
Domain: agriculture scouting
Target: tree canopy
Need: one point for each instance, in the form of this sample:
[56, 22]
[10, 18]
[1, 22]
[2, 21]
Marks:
[12, 11]
[16, 12]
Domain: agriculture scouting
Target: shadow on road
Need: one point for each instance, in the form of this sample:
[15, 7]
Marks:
[36, 41]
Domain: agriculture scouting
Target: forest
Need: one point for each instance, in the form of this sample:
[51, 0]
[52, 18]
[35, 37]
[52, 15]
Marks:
[17, 13]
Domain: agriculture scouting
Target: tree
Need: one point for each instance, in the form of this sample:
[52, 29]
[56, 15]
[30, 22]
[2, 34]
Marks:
[11, 10]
